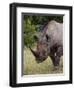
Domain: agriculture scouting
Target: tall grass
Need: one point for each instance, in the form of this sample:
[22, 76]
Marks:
[31, 67]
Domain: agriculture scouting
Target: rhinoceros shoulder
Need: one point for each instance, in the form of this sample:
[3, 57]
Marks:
[55, 31]
[54, 25]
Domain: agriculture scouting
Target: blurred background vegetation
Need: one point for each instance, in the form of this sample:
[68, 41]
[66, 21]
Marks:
[35, 23]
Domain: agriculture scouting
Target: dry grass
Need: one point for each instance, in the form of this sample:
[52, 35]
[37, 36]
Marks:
[31, 67]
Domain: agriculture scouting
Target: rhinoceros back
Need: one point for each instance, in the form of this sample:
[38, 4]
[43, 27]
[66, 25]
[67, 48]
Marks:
[55, 32]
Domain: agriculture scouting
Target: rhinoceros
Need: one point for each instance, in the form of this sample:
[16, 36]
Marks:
[49, 43]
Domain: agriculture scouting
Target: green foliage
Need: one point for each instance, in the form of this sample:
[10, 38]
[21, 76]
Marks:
[29, 31]
[29, 26]
[46, 19]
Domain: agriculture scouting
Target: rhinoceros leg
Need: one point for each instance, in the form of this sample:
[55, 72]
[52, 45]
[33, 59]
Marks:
[56, 54]
[60, 51]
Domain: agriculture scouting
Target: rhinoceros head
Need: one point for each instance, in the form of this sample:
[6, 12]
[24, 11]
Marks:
[42, 49]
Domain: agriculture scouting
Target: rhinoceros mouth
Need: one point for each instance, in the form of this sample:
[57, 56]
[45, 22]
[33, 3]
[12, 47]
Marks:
[38, 58]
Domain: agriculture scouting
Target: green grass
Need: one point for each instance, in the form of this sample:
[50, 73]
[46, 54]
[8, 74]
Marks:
[31, 67]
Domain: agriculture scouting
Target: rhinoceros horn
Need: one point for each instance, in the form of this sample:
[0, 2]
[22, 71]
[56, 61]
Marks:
[34, 52]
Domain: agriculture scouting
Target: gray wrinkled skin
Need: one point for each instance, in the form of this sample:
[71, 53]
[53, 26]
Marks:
[50, 43]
